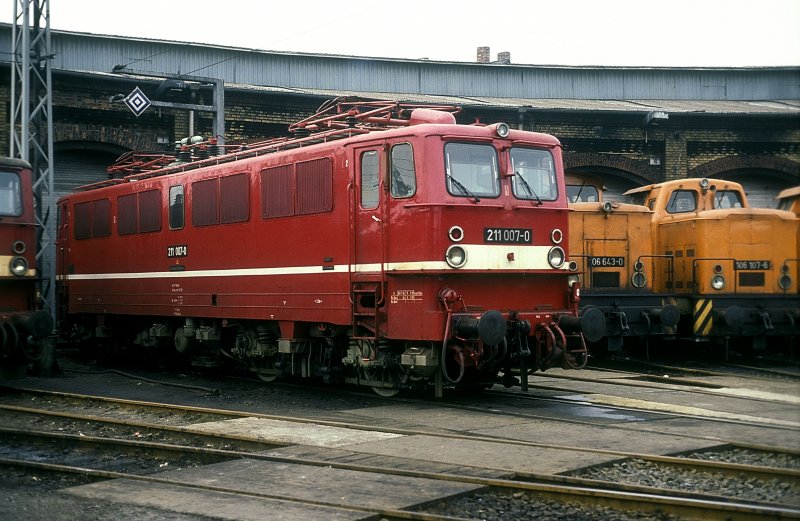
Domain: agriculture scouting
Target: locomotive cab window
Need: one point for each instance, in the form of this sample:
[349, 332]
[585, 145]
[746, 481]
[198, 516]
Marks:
[10, 194]
[727, 199]
[404, 181]
[370, 174]
[176, 212]
[638, 199]
[534, 174]
[682, 201]
[582, 193]
[471, 170]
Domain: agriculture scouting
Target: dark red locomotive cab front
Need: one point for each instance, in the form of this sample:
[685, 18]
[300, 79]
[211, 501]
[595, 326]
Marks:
[461, 235]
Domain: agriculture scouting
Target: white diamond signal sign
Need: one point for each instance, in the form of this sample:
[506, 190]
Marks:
[137, 102]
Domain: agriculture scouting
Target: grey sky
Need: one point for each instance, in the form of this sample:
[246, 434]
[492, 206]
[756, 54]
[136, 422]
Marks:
[685, 33]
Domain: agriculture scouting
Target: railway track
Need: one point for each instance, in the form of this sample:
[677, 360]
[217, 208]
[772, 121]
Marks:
[174, 422]
[786, 371]
[49, 448]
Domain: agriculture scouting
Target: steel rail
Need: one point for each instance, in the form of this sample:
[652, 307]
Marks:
[625, 497]
[716, 372]
[767, 423]
[761, 472]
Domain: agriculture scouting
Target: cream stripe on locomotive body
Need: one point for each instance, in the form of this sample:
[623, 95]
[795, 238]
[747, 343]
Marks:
[480, 257]
[391, 253]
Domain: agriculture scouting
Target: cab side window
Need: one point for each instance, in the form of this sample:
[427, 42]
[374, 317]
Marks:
[404, 181]
[176, 215]
[682, 201]
[370, 172]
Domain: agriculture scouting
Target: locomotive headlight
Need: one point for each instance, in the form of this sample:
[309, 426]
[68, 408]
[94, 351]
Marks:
[456, 233]
[455, 256]
[556, 236]
[502, 130]
[18, 266]
[785, 281]
[556, 256]
[718, 282]
[19, 247]
[639, 279]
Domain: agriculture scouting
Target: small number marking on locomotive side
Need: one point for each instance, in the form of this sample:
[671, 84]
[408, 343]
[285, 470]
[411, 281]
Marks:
[180, 250]
[406, 296]
[751, 264]
[508, 235]
[607, 262]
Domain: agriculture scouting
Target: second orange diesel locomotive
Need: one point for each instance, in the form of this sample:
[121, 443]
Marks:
[734, 269]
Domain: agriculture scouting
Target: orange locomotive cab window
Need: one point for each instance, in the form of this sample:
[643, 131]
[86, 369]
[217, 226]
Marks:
[682, 201]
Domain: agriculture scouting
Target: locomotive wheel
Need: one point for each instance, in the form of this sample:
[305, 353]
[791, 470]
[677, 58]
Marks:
[265, 369]
[267, 377]
[386, 392]
[392, 377]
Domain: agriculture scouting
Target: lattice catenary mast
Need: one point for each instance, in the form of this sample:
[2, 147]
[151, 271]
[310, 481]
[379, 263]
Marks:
[32, 127]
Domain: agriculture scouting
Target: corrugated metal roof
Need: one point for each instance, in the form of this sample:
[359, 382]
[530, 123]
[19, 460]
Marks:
[773, 107]
[687, 107]
[485, 83]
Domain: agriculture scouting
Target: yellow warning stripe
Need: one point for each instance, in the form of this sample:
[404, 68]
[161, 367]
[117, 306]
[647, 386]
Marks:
[702, 317]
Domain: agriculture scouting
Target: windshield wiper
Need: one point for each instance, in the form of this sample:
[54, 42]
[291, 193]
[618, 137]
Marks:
[461, 187]
[578, 197]
[528, 188]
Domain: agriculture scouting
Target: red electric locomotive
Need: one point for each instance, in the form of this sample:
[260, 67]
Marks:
[22, 324]
[383, 245]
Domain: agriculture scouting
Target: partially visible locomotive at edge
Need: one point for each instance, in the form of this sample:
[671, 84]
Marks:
[734, 268]
[23, 326]
[789, 200]
[383, 245]
[612, 246]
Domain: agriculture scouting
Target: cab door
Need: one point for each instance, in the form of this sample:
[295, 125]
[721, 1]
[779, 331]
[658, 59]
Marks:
[367, 268]
[368, 213]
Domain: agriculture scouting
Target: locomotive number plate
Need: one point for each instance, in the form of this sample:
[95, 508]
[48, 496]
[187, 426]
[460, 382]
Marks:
[607, 262]
[508, 235]
[180, 250]
[751, 265]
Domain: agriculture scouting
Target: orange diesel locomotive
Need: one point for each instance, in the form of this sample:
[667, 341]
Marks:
[611, 244]
[384, 245]
[734, 268]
